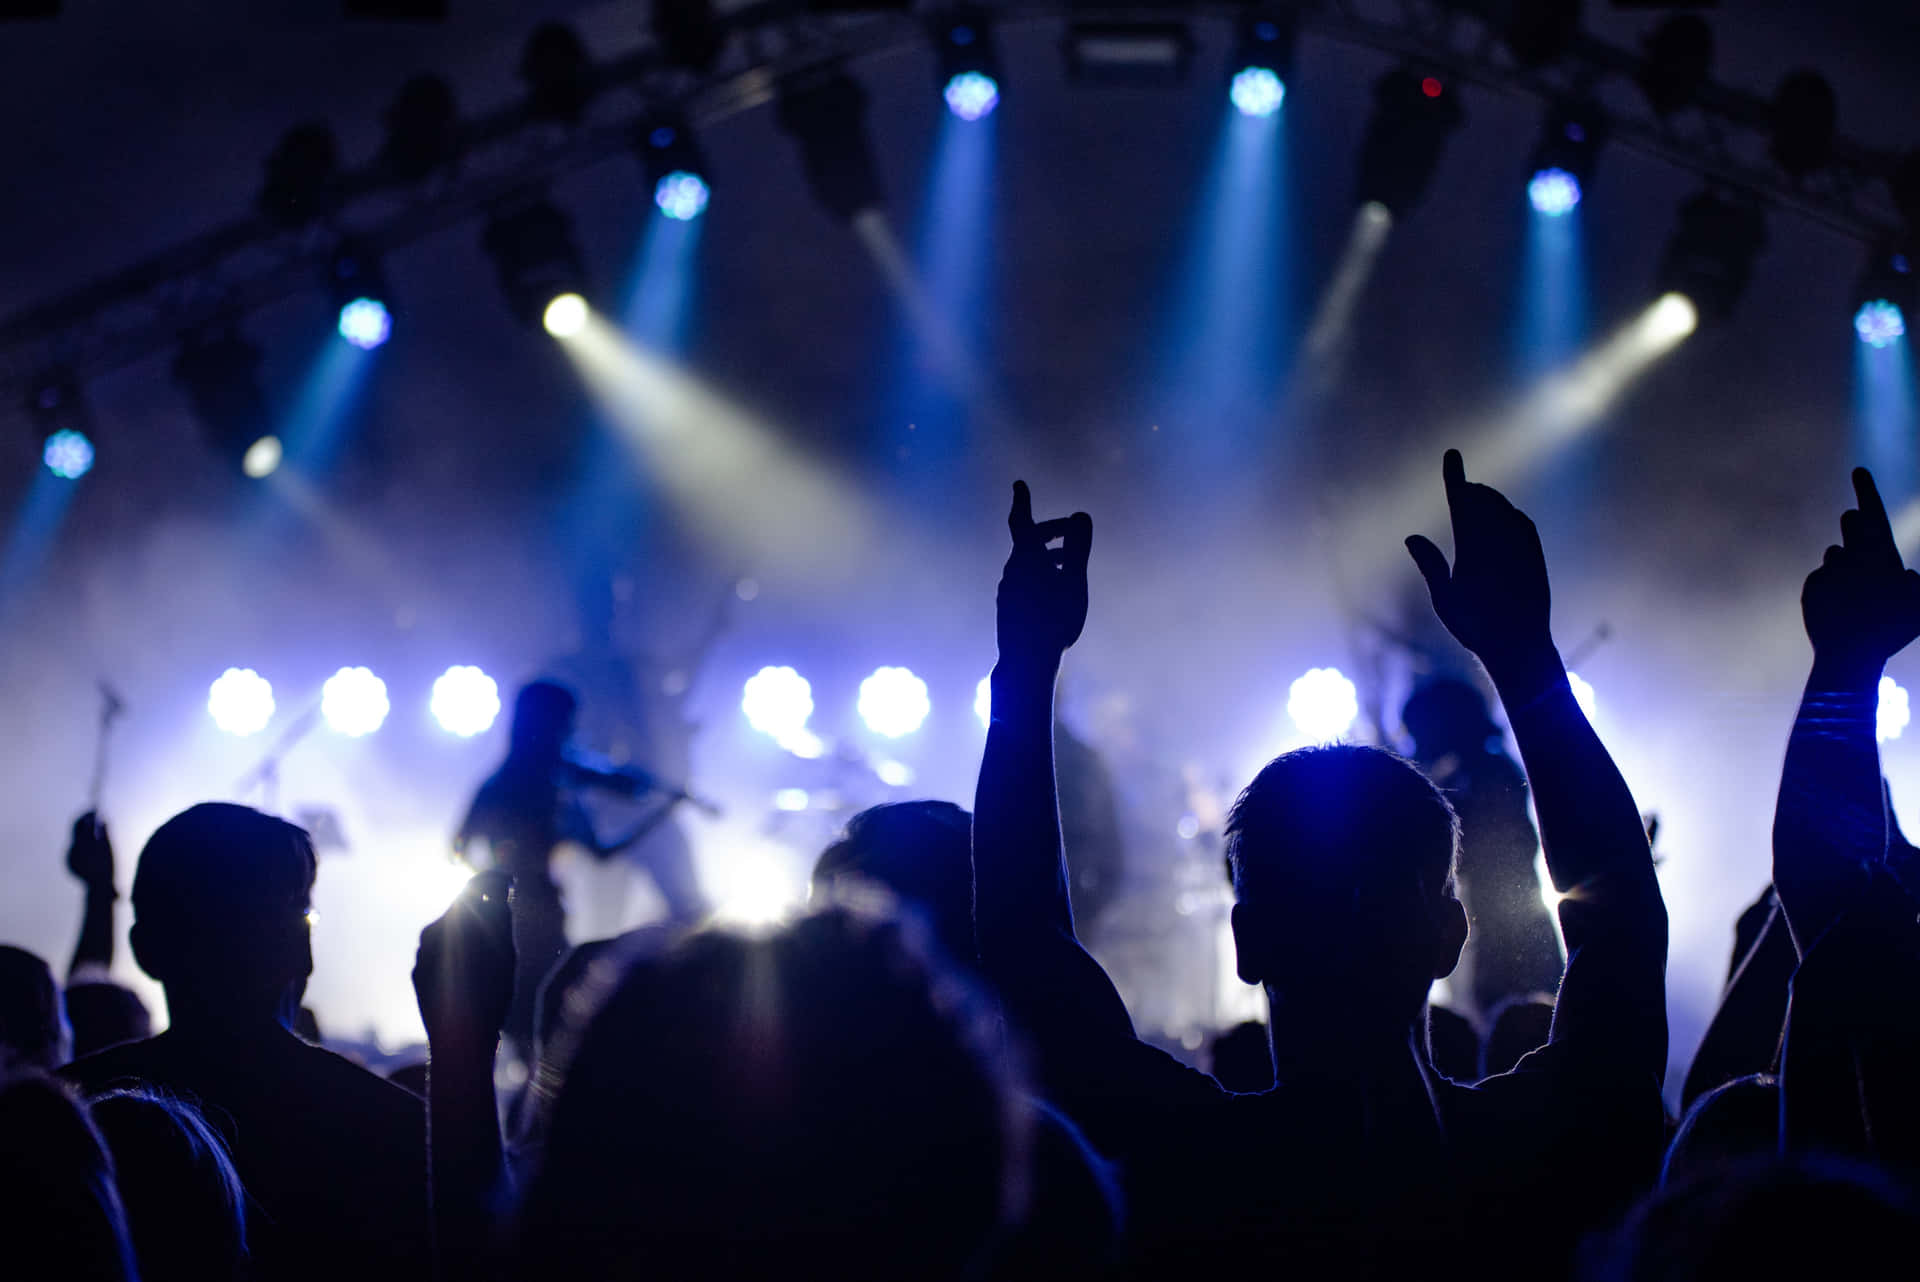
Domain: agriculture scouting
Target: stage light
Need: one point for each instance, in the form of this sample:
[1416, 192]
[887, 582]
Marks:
[68, 454]
[217, 372]
[565, 316]
[1262, 60]
[558, 74]
[354, 702]
[1412, 118]
[303, 177]
[1710, 257]
[1879, 322]
[1323, 704]
[1679, 53]
[422, 125]
[676, 167]
[826, 116]
[364, 323]
[1582, 694]
[1553, 192]
[535, 257]
[262, 458]
[1894, 712]
[1884, 296]
[754, 887]
[983, 702]
[1128, 53]
[1539, 31]
[689, 33]
[465, 701]
[240, 701]
[893, 702]
[969, 63]
[1257, 91]
[972, 95]
[59, 412]
[1804, 116]
[777, 702]
[894, 774]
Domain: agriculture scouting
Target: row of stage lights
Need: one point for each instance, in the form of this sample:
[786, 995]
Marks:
[464, 700]
[541, 270]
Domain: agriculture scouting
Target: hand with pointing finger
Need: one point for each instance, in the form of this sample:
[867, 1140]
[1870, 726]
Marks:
[1042, 603]
[1494, 598]
[1862, 605]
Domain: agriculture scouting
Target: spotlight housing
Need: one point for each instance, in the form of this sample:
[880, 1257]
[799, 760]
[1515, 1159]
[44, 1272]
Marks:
[59, 413]
[558, 74]
[1563, 159]
[1262, 61]
[1885, 297]
[357, 290]
[689, 33]
[676, 168]
[826, 116]
[969, 63]
[1805, 116]
[303, 177]
[422, 125]
[535, 257]
[1679, 55]
[219, 372]
[1412, 118]
[1710, 257]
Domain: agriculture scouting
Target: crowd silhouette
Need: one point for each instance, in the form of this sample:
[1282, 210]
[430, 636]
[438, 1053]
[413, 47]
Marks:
[928, 1076]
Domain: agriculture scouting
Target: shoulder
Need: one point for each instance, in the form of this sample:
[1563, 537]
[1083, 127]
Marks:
[141, 1061]
[374, 1100]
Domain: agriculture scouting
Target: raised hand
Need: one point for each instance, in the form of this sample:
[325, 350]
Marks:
[1494, 598]
[1042, 604]
[1862, 606]
[463, 973]
[90, 853]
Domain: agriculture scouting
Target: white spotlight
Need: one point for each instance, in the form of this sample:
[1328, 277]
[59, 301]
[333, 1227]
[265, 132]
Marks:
[240, 702]
[465, 701]
[262, 458]
[1671, 318]
[893, 702]
[354, 702]
[565, 316]
[777, 702]
[1323, 704]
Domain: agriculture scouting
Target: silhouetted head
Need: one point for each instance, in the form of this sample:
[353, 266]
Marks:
[60, 1215]
[1732, 1123]
[816, 1102]
[184, 1203]
[1342, 861]
[1519, 1027]
[1453, 1047]
[1446, 715]
[33, 1032]
[105, 1014]
[542, 719]
[220, 901]
[1806, 1218]
[921, 852]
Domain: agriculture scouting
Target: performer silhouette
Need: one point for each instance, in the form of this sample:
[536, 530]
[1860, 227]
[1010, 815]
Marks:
[531, 805]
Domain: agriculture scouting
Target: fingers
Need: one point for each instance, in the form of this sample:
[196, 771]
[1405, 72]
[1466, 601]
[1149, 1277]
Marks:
[1431, 561]
[1020, 519]
[1836, 556]
[1872, 525]
[1079, 543]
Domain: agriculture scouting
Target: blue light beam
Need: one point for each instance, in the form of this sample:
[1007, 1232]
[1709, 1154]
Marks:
[1885, 418]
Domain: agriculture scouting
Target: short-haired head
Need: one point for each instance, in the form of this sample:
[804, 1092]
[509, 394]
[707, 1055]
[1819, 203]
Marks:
[1342, 859]
[33, 1032]
[184, 1202]
[220, 902]
[921, 852]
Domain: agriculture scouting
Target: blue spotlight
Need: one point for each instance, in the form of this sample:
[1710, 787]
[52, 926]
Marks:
[972, 95]
[1878, 323]
[240, 702]
[1257, 91]
[354, 702]
[465, 701]
[364, 322]
[681, 196]
[69, 454]
[1554, 192]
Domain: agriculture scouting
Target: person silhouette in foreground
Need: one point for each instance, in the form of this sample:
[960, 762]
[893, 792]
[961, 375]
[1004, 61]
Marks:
[186, 1209]
[1360, 1162]
[921, 852]
[1851, 1051]
[60, 1213]
[816, 1102]
[33, 1029]
[333, 1157]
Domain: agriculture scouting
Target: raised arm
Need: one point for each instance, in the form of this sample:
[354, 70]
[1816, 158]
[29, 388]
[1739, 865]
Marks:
[90, 859]
[1496, 601]
[1861, 607]
[1022, 912]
